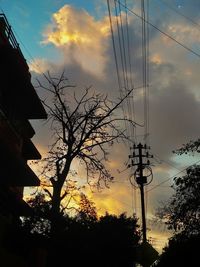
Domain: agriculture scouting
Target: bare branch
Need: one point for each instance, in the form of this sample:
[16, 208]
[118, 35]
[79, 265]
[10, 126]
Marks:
[83, 128]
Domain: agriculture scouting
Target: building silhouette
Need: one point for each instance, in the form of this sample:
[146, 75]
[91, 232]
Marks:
[19, 103]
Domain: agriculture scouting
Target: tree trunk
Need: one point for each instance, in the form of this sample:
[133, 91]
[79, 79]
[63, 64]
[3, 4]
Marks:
[55, 214]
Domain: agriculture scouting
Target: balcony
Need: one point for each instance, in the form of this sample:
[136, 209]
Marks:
[14, 169]
[16, 88]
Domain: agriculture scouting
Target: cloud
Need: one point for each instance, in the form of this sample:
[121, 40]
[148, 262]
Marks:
[80, 37]
[112, 200]
[39, 65]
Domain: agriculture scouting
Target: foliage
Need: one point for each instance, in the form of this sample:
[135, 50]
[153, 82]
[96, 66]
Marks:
[85, 239]
[191, 147]
[182, 215]
[182, 212]
[39, 221]
[109, 241]
[181, 252]
[87, 210]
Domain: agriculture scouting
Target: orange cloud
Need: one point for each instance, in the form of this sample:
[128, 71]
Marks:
[114, 200]
[80, 37]
[156, 58]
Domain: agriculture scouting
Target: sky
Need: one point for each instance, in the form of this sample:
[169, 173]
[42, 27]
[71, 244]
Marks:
[75, 35]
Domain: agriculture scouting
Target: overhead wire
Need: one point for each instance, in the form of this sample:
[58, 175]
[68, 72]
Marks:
[122, 62]
[148, 77]
[144, 64]
[180, 13]
[114, 45]
[144, 76]
[162, 32]
[130, 102]
[124, 59]
[122, 51]
[132, 107]
[127, 85]
[120, 46]
[147, 95]
[115, 58]
[121, 43]
[170, 178]
[125, 55]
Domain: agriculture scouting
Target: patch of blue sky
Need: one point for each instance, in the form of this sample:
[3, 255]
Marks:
[29, 18]
[186, 160]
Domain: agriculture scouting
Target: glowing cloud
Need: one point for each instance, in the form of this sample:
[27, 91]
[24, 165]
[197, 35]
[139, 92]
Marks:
[156, 58]
[80, 37]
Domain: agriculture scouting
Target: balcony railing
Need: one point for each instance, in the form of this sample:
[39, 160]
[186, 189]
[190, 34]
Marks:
[7, 33]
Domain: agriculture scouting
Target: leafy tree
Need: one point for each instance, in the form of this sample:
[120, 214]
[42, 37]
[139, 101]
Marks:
[110, 241]
[118, 238]
[82, 128]
[190, 147]
[182, 212]
[182, 215]
[181, 252]
[87, 210]
[84, 239]
[39, 221]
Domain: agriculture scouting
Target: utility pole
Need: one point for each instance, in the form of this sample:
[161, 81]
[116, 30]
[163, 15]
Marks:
[140, 179]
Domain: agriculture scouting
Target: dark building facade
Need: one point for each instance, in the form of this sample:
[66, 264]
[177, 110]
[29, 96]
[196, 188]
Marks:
[19, 103]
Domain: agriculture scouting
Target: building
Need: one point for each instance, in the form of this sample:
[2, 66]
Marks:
[19, 103]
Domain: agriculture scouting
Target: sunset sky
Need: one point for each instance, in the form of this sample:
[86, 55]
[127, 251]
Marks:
[75, 35]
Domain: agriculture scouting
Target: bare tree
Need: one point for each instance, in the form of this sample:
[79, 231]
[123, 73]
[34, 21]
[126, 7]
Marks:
[82, 130]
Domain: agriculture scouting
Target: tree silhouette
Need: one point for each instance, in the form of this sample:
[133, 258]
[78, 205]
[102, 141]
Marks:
[84, 239]
[39, 221]
[190, 147]
[82, 128]
[118, 238]
[87, 210]
[110, 241]
[181, 252]
[182, 215]
[183, 209]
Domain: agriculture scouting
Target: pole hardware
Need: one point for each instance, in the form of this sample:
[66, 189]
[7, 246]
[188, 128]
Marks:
[140, 159]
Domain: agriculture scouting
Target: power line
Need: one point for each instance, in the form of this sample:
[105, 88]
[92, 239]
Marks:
[126, 55]
[159, 160]
[122, 61]
[132, 107]
[161, 31]
[158, 185]
[181, 14]
[122, 50]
